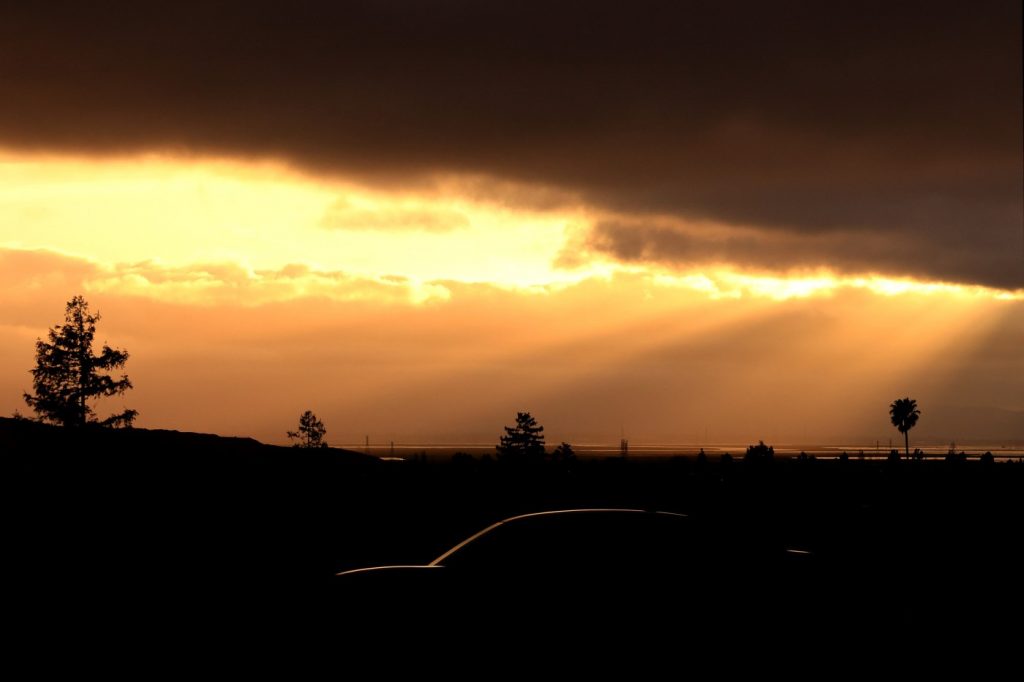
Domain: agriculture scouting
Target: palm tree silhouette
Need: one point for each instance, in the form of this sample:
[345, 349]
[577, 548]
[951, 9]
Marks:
[904, 414]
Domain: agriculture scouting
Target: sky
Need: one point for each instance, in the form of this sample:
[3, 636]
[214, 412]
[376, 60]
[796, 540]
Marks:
[694, 222]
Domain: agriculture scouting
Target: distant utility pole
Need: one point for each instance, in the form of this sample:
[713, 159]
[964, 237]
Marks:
[392, 448]
[367, 450]
[624, 447]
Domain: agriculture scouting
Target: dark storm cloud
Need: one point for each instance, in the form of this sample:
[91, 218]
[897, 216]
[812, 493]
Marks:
[853, 131]
[889, 252]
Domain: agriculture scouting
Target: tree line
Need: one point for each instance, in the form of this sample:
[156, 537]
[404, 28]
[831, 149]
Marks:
[69, 375]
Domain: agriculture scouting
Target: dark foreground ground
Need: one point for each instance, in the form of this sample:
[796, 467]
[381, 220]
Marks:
[159, 530]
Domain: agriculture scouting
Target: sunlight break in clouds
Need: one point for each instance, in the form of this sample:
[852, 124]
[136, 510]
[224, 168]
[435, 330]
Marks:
[720, 283]
[176, 213]
[437, 310]
[666, 363]
[204, 231]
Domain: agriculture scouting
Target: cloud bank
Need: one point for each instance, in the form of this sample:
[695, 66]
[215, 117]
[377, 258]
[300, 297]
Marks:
[664, 363]
[856, 135]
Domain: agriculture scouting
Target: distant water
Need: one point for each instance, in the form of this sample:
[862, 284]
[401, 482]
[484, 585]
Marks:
[444, 450]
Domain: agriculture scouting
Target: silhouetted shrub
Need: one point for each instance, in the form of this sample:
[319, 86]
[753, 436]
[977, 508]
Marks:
[311, 432]
[759, 453]
[563, 454]
[462, 459]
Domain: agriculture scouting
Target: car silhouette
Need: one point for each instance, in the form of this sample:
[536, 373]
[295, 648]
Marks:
[595, 565]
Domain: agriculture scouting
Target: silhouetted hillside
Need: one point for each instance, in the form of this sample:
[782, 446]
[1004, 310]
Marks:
[122, 511]
[25, 435]
[148, 524]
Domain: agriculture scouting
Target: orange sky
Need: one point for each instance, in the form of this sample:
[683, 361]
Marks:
[678, 221]
[247, 292]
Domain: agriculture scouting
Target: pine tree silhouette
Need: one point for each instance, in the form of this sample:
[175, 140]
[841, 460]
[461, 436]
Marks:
[522, 442]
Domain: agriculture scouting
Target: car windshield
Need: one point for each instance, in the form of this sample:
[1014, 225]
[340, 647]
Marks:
[579, 541]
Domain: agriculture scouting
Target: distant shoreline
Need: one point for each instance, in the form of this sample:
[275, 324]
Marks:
[932, 452]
